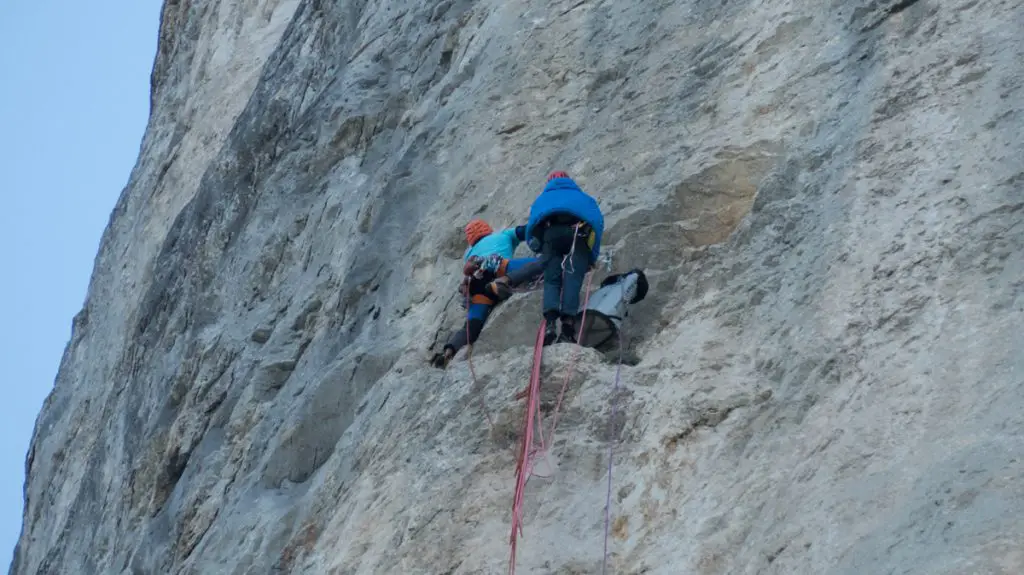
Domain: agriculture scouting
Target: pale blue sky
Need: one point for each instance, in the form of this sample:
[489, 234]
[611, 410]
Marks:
[74, 99]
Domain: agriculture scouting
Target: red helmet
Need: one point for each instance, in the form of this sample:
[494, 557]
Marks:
[557, 174]
[477, 229]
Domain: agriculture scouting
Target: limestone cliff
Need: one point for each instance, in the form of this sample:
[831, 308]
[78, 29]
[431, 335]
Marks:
[827, 376]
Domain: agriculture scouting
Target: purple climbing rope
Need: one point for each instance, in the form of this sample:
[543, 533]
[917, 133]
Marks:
[611, 445]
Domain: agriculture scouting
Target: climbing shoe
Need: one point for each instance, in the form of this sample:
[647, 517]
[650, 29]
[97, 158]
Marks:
[441, 360]
[568, 334]
[550, 333]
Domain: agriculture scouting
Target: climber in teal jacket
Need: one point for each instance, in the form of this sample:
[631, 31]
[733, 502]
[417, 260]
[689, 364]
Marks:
[503, 243]
[565, 226]
[489, 274]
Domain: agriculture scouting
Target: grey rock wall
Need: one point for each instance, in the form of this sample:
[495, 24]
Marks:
[826, 377]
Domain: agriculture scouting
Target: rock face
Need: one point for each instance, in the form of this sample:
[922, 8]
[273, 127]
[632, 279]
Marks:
[827, 376]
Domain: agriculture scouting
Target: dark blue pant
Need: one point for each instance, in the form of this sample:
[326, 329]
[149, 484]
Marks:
[562, 287]
[522, 270]
[479, 312]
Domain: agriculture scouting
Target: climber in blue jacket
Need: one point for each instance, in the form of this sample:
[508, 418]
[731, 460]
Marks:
[565, 227]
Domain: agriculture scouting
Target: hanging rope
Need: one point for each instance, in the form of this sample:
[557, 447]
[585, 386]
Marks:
[523, 464]
[611, 444]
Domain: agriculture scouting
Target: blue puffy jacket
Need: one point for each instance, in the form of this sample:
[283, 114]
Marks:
[563, 196]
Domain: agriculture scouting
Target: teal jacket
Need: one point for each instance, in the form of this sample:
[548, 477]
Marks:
[503, 243]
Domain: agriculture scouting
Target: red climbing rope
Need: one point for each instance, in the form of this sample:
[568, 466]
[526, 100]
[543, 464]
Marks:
[527, 449]
[523, 464]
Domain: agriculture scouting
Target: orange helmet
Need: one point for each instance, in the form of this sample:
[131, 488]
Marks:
[477, 229]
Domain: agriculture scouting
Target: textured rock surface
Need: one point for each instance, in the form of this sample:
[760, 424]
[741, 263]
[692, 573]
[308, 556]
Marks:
[828, 372]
